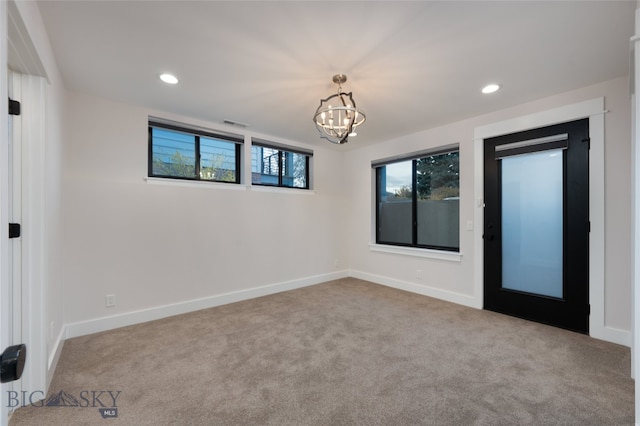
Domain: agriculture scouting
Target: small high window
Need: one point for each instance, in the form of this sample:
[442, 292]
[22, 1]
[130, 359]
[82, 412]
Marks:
[276, 166]
[184, 153]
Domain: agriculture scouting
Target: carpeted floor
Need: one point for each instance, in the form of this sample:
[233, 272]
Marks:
[347, 352]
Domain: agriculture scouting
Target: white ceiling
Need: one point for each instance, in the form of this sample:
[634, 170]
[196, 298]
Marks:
[411, 65]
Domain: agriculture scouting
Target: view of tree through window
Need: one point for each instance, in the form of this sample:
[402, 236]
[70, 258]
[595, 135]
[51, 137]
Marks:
[437, 178]
[180, 153]
[173, 153]
[418, 202]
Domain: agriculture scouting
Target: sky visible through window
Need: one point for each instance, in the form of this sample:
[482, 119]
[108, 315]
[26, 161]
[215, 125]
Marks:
[398, 176]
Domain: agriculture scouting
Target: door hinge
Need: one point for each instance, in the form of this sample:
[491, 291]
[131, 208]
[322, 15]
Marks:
[589, 225]
[14, 107]
[588, 141]
[589, 309]
[14, 230]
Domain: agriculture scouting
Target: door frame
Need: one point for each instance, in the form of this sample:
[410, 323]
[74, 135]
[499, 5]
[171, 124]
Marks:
[15, 216]
[4, 211]
[593, 110]
[28, 169]
[33, 90]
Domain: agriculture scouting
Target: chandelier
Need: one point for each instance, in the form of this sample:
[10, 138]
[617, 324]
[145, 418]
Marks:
[337, 116]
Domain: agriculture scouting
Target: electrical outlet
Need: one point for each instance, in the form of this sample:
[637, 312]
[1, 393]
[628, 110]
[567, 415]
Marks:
[419, 274]
[110, 300]
[52, 326]
[336, 263]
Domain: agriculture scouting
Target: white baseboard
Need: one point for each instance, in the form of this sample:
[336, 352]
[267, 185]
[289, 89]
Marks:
[54, 356]
[97, 325]
[449, 296]
[611, 334]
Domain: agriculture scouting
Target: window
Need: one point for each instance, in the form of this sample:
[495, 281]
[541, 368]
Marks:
[183, 153]
[417, 201]
[274, 166]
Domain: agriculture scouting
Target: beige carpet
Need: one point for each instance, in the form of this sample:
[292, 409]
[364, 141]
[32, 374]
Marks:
[347, 352]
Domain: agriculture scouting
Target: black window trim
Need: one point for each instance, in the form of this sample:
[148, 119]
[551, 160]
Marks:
[197, 132]
[282, 149]
[413, 157]
[416, 155]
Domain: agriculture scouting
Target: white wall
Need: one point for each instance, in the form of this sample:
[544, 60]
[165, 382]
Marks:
[53, 236]
[454, 280]
[154, 246]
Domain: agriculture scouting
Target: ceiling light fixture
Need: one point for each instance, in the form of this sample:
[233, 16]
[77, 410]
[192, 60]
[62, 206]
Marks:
[169, 78]
[490, 88]
[337, 116]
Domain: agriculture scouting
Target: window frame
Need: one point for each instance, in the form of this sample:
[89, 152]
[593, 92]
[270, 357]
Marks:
[282, 151]
[414, 157]
[197, 133]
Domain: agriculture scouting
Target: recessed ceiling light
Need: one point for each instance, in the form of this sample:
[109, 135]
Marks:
[490, 88]
[169, 78]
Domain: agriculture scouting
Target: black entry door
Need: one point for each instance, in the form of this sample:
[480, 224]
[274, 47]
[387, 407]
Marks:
[536, 226]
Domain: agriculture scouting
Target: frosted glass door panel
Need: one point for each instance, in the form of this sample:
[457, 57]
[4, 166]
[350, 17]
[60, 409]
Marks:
[532, 209]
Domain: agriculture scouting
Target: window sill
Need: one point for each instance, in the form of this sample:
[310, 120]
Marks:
[195, 184]
[231, 186]
[418, 252]
[282, 190]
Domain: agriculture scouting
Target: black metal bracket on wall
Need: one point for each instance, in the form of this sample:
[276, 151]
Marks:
[14, 107]
[14, 230]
